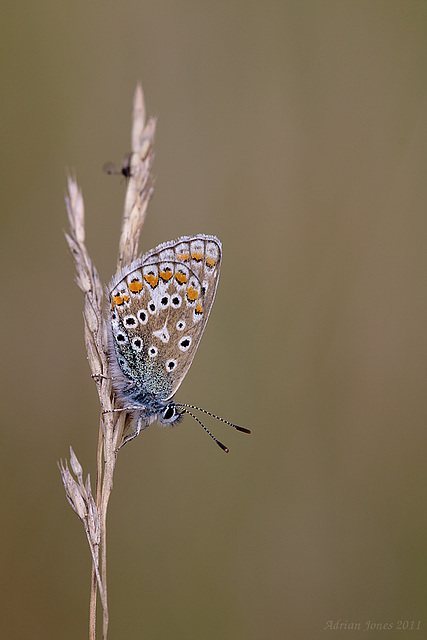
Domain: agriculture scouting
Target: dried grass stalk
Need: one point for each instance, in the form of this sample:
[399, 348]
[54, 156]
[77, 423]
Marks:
[92, 511]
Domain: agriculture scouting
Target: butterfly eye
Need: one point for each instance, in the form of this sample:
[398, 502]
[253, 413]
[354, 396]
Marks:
[169, 412]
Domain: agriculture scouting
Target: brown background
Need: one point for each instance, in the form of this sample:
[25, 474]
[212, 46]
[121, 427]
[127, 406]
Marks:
[296, 132]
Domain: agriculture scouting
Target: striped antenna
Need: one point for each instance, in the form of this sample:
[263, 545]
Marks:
[231, 424]
[185, 408]
[222, 446]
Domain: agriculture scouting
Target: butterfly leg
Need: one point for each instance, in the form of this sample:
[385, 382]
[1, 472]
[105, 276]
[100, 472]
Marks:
[139, 427]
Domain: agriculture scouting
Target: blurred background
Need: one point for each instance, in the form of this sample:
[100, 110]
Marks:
[296, 132]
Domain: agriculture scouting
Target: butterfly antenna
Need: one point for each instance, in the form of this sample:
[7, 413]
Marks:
[231, 424]
[222, 446]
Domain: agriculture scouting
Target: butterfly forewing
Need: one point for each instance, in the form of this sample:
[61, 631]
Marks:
[159, 308]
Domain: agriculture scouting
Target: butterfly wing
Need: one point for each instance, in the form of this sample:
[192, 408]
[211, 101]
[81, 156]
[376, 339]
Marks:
[159, 308]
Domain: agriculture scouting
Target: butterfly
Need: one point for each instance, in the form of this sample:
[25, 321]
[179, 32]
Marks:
[159, 306]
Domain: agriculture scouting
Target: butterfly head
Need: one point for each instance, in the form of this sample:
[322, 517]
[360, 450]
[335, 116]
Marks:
[170, 414]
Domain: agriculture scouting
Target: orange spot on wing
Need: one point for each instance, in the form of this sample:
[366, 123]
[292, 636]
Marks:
[182, 257]
[192, 294]
[211, 262]
[197, 255]
[135, 286]
[151, 279]
[126, 298]
[181, 277]
[199, 308]
[118, 300]
[166, 275]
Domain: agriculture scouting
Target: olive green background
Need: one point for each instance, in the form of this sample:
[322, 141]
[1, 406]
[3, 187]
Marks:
[296, 132]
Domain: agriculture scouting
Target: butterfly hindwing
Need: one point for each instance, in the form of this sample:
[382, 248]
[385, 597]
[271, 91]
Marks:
[159, 308]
